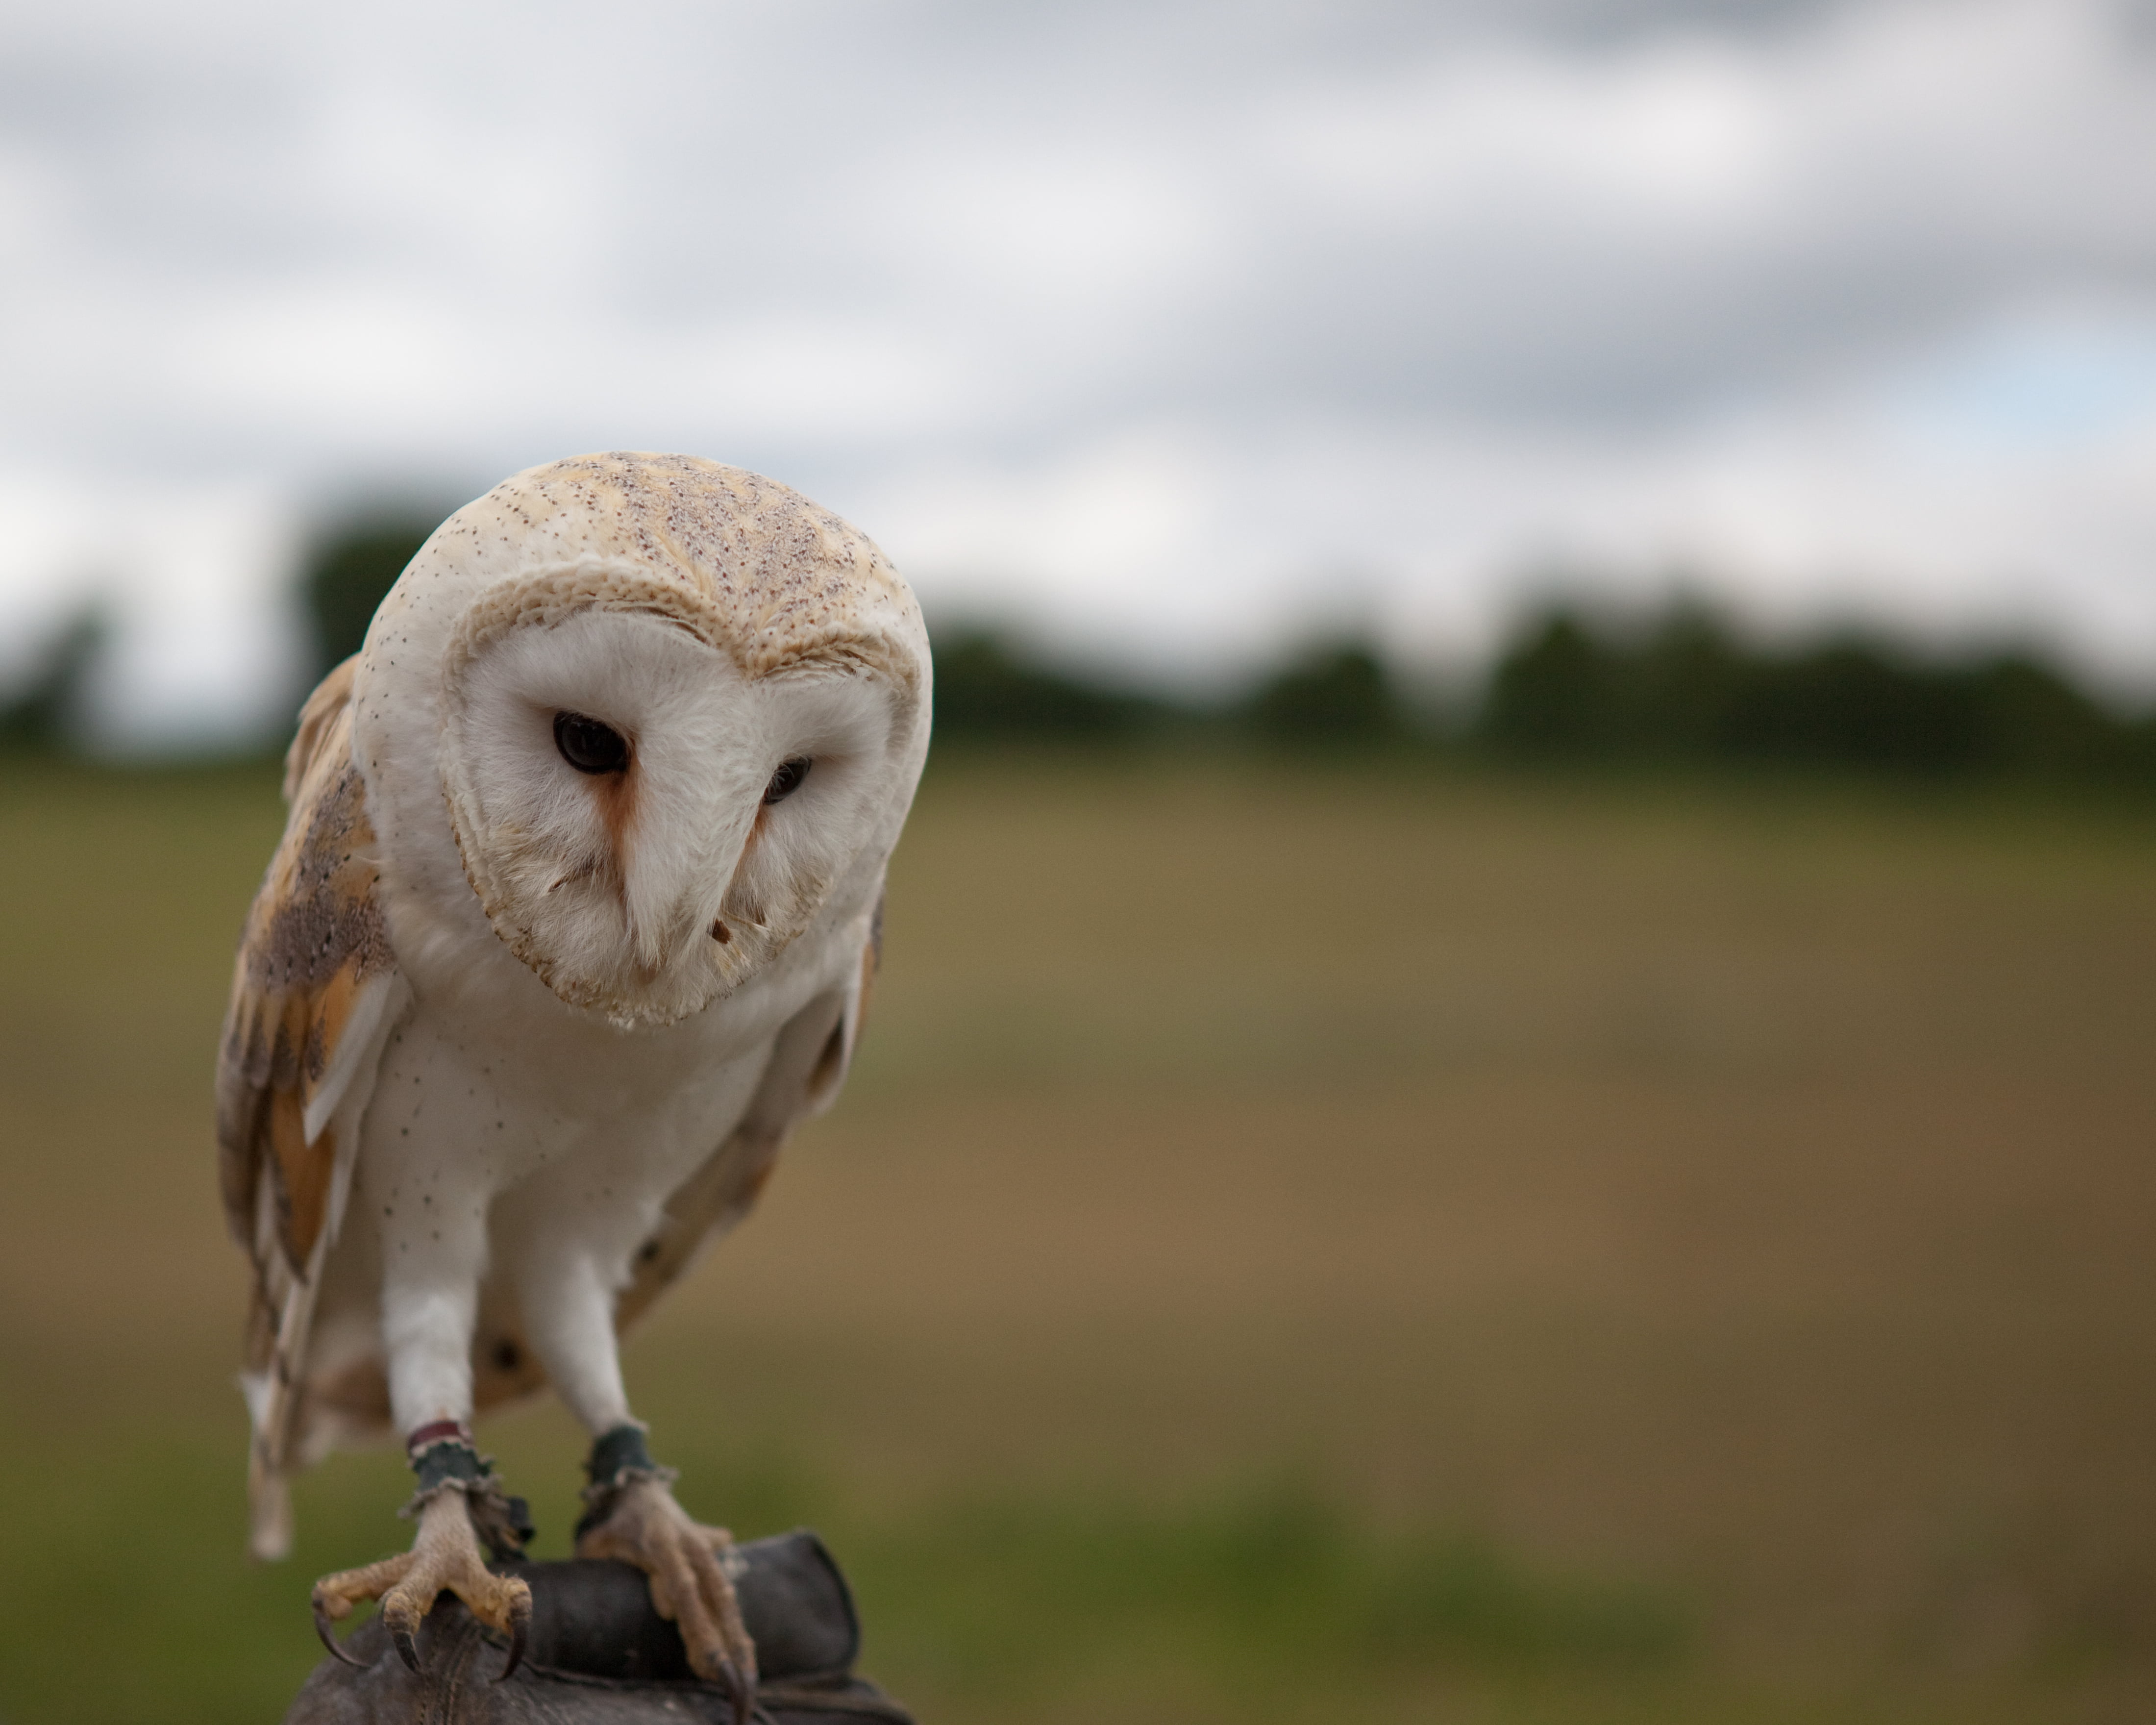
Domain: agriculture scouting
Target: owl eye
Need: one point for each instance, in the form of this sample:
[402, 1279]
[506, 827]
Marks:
[786, 780]
[589, 746]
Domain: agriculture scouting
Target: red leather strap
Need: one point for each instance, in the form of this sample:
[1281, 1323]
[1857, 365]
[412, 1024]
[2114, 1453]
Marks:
[437, 1431]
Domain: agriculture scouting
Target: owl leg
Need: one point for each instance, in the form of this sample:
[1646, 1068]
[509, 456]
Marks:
[633, 1516]
[568, 1290]
[458, 1503]
[438, 1248]
[568, 1304]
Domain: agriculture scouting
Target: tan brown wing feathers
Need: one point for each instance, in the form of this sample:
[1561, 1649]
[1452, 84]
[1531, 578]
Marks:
[312, 989]
[313, 939]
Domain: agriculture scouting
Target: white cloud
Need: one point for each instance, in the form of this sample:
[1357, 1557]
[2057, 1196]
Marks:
[1166, 329]
[1682, 129]
[207, 645]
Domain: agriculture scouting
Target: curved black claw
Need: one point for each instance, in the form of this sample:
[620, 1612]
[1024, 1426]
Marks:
[329, 1640]
[741, 1689]
[520, 1620]
[407, 1648]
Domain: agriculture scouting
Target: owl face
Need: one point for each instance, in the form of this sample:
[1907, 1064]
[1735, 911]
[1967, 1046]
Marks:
[647, 820]
[673, 712]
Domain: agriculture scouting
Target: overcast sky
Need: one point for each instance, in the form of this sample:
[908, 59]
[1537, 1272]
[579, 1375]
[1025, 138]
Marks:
[1161, 331]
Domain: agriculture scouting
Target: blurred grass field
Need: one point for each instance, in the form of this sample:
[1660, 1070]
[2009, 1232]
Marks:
[1298, 1245]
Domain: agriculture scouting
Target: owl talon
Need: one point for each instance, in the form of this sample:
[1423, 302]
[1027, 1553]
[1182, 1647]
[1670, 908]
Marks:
[444, 1558]
[643, 1525]
[407, 1649]
[329, 1637]
[520, 1623]
[742, 1690]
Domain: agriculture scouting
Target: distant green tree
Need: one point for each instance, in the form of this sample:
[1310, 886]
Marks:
[2032, 722]
[1853, 703]
[1674, 690]
[348, 570]
[985, 692]
[46, 714]
[1555, 693]
[1337, 693]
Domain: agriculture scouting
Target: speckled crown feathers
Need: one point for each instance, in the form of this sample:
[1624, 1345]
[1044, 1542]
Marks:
[751, 565]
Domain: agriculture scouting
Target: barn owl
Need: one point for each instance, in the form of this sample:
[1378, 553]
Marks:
[575, 916]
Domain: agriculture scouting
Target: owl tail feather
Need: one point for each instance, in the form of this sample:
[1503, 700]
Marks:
[268, 1510]
[272, 1397]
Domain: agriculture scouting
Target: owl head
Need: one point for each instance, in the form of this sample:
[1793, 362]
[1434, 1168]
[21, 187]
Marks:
[675, 714]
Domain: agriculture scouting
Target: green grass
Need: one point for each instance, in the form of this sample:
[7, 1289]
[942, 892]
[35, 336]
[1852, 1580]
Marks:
[1295, 1244]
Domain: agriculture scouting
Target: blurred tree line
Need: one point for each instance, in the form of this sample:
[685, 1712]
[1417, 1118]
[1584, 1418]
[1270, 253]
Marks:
[347, 571]
[48, 713]
[1680, 689]
[1683, 689]
[989, 691]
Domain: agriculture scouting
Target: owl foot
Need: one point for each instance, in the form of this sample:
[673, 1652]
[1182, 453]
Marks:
[445, 1556]
[637, 1521]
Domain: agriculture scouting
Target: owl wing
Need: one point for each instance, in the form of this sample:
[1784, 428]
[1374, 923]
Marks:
[315, 994]
[808, 1067]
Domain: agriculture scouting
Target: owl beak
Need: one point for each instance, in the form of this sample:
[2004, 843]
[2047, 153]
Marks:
[667, 903]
